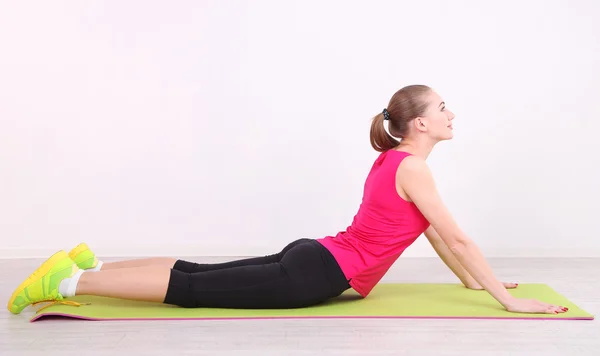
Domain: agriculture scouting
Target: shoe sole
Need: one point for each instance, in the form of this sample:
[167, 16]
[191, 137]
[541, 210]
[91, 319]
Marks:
[77, 250]
[41, 271]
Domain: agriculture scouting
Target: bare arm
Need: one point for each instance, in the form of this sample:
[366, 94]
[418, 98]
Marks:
[416, 180]
[448, 258]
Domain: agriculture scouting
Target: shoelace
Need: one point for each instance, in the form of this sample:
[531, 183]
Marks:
[56, 302]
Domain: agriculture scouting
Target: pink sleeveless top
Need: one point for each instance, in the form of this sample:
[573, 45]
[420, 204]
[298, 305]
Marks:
[383, 228]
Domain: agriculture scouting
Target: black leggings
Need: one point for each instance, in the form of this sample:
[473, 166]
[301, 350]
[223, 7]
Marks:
[304, 273]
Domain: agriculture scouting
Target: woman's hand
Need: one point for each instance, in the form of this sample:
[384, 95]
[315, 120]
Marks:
[525, 305]
[533, 306]
[475, 286]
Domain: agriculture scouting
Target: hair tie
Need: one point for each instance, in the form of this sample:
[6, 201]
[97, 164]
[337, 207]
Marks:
[386, 114]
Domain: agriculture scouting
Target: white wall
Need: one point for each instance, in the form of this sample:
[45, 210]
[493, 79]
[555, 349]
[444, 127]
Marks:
[233, 127]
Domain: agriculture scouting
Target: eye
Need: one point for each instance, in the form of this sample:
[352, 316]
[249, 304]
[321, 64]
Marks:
[443, 108]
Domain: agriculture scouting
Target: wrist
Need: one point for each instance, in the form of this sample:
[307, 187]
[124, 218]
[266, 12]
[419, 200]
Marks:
[508, 301]
[472, 285]
[501, 294]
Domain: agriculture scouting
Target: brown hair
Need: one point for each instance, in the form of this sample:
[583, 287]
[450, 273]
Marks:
[406, 104]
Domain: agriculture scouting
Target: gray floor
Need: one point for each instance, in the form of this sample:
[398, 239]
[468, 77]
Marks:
[575, 278]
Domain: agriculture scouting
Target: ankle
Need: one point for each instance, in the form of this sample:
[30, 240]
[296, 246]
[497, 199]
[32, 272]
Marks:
[68, 286]
[97, 268]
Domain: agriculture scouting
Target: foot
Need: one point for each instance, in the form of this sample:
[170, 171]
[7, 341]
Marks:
[83, 256]
[42, 285]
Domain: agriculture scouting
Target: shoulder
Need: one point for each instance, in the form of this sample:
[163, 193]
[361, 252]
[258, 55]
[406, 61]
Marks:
[414, 176]
[413, 165]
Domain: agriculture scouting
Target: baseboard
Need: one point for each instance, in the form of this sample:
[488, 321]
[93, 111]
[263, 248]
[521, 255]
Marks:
[422, 251]
[141, 251]
[547, 252]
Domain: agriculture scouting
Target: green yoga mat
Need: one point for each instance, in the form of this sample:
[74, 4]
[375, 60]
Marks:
[385, 301]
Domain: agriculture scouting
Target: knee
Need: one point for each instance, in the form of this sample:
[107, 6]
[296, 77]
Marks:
[180, 298]
[188, 303]
[179, 290]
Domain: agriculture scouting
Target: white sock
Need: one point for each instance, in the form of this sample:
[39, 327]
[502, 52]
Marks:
[68, 286]
[95, 269]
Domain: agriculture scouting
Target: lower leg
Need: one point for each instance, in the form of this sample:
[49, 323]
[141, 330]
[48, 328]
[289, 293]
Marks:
[143, 262]
[147, 283]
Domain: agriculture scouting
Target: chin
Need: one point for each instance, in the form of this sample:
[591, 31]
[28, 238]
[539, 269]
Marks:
[446, 137]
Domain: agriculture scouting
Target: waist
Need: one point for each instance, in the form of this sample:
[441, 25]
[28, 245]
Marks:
[333, 270]
[366, 257]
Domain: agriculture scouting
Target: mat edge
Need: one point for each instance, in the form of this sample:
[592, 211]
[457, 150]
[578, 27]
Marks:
[79, 317]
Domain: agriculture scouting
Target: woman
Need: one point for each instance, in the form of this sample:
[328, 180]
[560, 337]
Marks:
[400, 203]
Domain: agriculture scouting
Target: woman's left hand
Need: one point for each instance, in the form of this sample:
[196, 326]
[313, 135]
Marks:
[476, 286]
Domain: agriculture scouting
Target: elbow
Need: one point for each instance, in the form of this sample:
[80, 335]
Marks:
[459, 246]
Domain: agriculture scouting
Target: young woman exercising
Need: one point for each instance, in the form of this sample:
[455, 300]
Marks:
[400, 202]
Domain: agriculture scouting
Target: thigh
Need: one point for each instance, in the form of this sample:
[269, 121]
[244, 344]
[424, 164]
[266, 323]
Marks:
[296, 281]
[191, 267]
[249, 287]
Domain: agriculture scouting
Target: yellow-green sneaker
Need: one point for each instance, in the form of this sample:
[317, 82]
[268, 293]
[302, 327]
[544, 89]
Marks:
[42, 285]
[83, 256]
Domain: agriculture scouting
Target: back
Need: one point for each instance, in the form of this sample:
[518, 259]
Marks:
[384, 226]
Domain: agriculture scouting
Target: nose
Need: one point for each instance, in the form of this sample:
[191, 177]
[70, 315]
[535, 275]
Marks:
[451, 115]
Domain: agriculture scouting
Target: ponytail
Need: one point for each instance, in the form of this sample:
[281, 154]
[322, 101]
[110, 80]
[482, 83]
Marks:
[381, 141]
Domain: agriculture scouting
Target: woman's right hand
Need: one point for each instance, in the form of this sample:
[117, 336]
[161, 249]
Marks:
[533, 306]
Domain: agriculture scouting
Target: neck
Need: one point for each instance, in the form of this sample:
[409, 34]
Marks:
[421, 148]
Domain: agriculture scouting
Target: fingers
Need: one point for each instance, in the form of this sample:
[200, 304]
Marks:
[555, 309]
[510, 285]
[536, 306]
[559, 309]
[550, 308]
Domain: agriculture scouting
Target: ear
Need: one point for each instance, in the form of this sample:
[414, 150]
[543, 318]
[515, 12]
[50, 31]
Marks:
[420, 124]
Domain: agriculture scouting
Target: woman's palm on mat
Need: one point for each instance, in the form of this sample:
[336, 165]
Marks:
[518, 305]
[525, 305]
